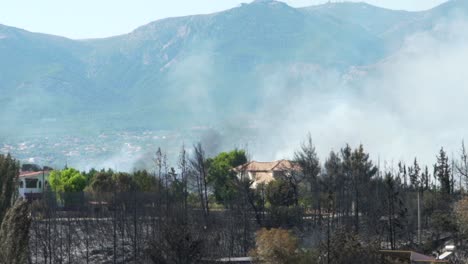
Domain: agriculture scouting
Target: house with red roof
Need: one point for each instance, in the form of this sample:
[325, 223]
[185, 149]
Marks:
[265, 172]
[32, 183]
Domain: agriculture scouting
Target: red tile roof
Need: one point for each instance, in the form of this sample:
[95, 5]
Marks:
[32, 173]
[280, 165]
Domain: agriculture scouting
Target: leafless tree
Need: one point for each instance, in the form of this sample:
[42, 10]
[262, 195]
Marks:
[183, 168]
[462, 166]
[198, 164]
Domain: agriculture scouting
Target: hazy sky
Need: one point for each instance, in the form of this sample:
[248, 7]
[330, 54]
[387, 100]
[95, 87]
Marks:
[101, 18]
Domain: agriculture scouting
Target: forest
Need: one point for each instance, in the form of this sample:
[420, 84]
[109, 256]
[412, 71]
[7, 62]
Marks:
[344, 209]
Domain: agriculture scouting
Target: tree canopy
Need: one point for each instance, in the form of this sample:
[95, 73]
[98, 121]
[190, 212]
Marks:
[67, 180]
[221, 175]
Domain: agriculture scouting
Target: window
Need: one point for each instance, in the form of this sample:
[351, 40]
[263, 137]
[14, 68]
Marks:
[31, 183]
[21, 184]
[40, 185]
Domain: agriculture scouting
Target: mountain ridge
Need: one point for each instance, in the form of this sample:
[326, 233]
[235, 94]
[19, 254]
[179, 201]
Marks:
[151, 75]
[448, 4]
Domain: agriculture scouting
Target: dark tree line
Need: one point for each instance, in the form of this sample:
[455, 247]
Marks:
[203, 209]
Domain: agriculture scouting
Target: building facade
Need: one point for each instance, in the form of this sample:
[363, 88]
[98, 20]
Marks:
[32, 183]
[265, 172]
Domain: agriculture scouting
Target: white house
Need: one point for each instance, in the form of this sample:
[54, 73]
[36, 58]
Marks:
[32, 183]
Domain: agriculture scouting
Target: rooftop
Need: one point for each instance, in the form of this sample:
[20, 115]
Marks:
[411, 256]
[32, 173]
[256, 166]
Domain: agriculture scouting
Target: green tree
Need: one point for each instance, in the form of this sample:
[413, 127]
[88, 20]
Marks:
[414, 175]
[280, 193]
[123, 182]
[221, 176]
[443, 171]
[145, 182]
[67, 180]
[308, 161]
[101, 182]
[90, 175]
[110, 181]
[9, 172]
[425, 180]
[362, 171]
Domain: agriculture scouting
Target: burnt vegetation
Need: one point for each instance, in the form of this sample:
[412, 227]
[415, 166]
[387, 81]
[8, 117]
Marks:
[206, 209]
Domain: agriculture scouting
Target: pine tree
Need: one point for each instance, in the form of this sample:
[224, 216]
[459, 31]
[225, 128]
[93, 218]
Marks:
[335, 183]
[414, 175]
[402, 173]
[395, 214]
[346, 164]
[309, 163]
[425, 180]
[362, 172]
[443, 172]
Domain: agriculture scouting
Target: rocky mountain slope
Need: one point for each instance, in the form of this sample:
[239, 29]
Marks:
[193, 70]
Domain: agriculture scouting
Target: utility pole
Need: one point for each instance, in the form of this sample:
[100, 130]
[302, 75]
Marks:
[43, 180]
[378, 175]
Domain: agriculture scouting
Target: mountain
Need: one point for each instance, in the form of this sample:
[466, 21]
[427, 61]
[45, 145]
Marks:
[192, 70]
[374, 19]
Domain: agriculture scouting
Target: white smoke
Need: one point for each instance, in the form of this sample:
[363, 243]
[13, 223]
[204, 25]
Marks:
[127, 159]
[409, 105]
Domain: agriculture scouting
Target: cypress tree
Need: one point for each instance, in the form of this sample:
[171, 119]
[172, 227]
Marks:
[9, 172]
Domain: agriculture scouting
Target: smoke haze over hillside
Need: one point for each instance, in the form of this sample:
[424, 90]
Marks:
[260, 76]
[410, 104]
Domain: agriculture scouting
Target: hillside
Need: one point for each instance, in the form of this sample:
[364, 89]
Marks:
[193, 70]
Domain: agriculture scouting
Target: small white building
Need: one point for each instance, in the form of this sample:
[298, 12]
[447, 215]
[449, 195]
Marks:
[32, 183]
